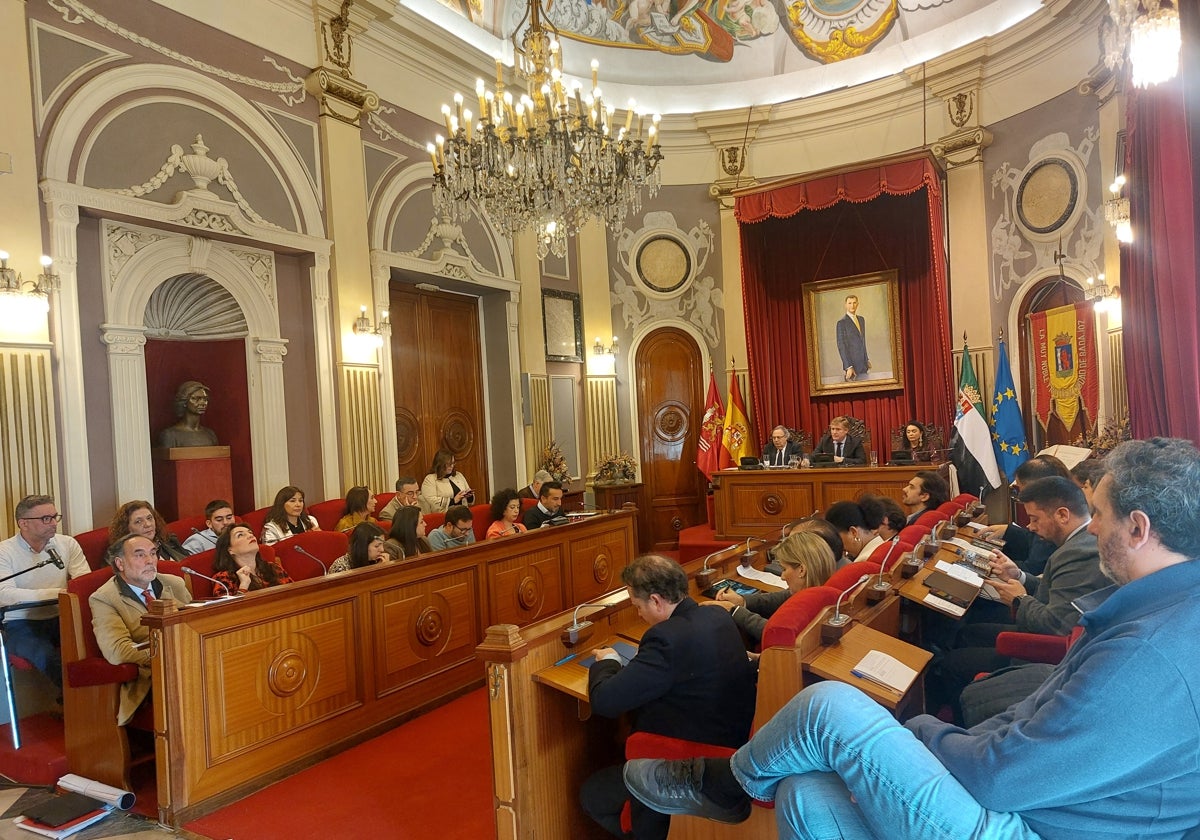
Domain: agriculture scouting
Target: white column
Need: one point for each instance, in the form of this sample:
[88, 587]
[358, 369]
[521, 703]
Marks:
[326, 387]
[268, 417]
[381, 276]
[512, 309]
[131, 430]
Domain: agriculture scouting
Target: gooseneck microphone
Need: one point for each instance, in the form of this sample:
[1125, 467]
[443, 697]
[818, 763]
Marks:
[54, 558]
[203, 535]
[879, 583]
[835, 625]
[311, 556]
[704, 577]
[189, 570]
[580, 630]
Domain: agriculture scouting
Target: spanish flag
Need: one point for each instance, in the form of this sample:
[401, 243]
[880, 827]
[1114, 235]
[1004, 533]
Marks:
[735, 436]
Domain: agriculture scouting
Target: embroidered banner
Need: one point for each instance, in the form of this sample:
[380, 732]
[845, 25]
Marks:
[1065, 351]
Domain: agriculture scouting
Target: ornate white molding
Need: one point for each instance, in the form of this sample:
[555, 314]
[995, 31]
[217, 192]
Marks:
[384, 131]
[271, 351]
[123, 340]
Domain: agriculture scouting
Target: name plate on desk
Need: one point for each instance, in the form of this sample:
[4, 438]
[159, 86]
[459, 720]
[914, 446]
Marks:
[189, 453]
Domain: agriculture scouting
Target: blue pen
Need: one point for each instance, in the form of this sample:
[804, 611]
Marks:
[566, 658]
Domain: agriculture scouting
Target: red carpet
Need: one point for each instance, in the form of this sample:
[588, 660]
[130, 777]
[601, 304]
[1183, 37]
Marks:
[42, 759]
[430, 778]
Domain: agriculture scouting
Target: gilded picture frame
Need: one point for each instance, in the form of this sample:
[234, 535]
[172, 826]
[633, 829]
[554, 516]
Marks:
[563, 326]
[839, 341]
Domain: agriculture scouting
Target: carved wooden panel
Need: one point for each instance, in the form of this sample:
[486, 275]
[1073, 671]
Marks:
[423, 627]
[670, 401]
[275, 677]
[526, 587]
[437, 376]
[595, 564]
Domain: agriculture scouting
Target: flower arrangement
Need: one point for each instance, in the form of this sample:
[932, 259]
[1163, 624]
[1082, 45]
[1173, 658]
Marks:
[619, 467]
[554, 463]
[1104, 439]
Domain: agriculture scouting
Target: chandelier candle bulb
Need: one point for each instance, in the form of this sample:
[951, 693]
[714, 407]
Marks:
[468, 124]
[629, 115]
[595, 73]
[499, 71]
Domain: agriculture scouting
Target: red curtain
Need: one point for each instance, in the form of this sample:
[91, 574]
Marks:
[1159, 296]
[877, 219]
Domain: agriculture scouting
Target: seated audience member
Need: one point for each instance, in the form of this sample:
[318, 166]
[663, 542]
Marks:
[925, 491]
[456, 531]
[360, 507]
[33, 633]
[117, 609]
[856, 523]
[894, 518]
[548, 506]
[366, 549]
[534, 488]
[444, 487]
[408, 494]
[1105, 747]
[218, 515]
[844, 447]
[691, 679]
[780, 451]
[288, 516]
[407, 537]
[823, 529]
[239, 567]
[139, 517]
[506, 508]
[1021, 545]
[914, 443]
[806, 560]
[1087, 475]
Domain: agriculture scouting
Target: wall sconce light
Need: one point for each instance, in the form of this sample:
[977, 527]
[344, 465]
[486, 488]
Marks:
[599, 349]
[373, 334]
[27, 296]
[1116, 211]
[1105, 297]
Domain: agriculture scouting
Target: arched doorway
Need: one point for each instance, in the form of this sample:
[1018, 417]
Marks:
[1047, 294]
[668, 369]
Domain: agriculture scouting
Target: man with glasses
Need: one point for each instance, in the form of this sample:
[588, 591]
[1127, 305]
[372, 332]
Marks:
[408, 493]
[32, 632]
[456, 531]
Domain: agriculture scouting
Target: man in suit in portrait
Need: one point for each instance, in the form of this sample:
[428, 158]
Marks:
[844, 447]
[780, 450]
[690, 679]
[852, 341]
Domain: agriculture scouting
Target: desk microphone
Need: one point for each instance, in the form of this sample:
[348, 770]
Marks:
[54, 558]
[704, 577]
[881, 587]
[748, 555]
[189, 570]
[203, 535]
[835, 625]
[311, 556]
[578, 631]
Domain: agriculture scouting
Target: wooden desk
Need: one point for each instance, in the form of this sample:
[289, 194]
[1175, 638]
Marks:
[837, 661]
[250, 690]
[916, 589]
[748, 502]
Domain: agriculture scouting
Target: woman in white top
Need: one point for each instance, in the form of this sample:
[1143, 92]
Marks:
[444, 486]
[288, 516]
[857, 523]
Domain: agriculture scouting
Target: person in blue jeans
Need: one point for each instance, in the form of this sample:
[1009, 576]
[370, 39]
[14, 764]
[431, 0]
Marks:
[1108, 747]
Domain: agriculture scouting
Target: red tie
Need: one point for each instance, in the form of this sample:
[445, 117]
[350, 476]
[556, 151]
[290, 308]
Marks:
[148, 595]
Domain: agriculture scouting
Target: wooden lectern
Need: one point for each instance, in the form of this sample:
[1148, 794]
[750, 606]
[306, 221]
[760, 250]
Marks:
[186, 478]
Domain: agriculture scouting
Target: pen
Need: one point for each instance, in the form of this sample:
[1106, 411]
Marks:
[565, 659]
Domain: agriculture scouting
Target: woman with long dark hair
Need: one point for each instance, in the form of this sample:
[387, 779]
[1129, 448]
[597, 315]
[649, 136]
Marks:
[240, 567]
[366, 549]
[407, 537]
[360, 507]
[288, 516]
[445, 486]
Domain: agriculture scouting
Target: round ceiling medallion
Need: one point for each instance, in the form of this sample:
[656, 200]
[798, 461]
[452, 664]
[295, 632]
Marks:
[1047, 195]
[663, 264]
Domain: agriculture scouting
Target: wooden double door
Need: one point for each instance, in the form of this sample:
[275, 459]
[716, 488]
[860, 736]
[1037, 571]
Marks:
[438, 379]
[670, 381]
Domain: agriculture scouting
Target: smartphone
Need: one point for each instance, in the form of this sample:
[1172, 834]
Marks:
[737, 586]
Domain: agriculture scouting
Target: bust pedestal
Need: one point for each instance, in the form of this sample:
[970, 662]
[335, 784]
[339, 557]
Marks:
[186, 478]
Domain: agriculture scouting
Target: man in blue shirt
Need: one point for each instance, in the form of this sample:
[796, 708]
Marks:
[218, 515]
[1107, 747]
[456, 531]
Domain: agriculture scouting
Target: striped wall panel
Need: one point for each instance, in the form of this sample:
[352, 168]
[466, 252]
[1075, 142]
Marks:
[603, 427]
[362, 429]
[28, 457]
[539, 397]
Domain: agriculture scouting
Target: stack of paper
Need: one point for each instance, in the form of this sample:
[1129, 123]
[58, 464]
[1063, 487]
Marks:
[887, 671]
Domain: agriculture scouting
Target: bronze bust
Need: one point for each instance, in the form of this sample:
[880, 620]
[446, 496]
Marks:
[191, 401]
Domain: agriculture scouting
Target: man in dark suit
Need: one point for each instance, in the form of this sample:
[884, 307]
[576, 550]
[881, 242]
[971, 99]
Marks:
[852, 341]
[549, 503]
[534, 489]
[691, 679]
[839, 443]
[780, 450]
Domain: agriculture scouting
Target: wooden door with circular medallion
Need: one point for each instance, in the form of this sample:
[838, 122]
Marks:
[670, 403]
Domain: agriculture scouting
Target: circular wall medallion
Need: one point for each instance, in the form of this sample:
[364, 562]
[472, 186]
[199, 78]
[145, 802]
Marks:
[408, 435]
[671, 421]
[663, 264]
[458, 433]
[529, 593]
[429, 626]
[1048, 195]
[771, 504]
[286, 673]
[600, 568]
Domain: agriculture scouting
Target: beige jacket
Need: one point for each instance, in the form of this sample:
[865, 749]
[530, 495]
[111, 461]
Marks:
[117, 622]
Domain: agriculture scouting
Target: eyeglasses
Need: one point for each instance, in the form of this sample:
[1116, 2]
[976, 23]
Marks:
[460, 529]
[45, 520]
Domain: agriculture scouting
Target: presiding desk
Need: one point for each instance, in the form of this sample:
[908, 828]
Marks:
[748, 502]
[537, 700]
[250, 689]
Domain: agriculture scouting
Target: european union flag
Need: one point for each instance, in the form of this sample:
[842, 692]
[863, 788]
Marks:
[1008, 429]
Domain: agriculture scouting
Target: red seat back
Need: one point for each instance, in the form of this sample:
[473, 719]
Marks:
[797, 613]
[846, 576]
[94, 544]
[256, 519]
[326, 546]
[950, 509]
[912, 534]
[202, 563]
[965, 499]
[328, 513]
[182, 528]
[882, 551]
[930, 518]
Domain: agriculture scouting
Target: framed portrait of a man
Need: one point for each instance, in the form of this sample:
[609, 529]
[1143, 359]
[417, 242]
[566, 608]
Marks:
[853, 334]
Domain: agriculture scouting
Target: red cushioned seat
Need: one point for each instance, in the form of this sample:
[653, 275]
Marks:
[94, 544]
[328, 513]
[950, 509]
[326, 546]
[930, 518]
[183, 528]
[846, 576]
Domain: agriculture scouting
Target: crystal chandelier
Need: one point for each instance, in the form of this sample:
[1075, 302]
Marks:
[1150, 31]
[547, 159]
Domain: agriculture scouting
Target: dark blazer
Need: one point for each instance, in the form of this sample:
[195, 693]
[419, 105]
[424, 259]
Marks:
[852, 343]
[526, 492]
[690, 679]
[852, 448]
[1071, 572]
[535, 516]
[790, 449]
[1025, 548]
